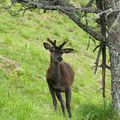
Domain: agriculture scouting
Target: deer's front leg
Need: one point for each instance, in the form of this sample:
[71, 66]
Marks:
[61, 102]
[52, 91]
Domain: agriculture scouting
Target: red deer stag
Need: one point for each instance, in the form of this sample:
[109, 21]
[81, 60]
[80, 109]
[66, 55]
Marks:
[60, 75]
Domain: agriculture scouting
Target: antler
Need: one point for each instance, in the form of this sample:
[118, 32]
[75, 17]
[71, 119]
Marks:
[50, 41]
[54, 43]
[62, 44]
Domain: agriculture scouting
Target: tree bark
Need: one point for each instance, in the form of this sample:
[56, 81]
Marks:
[114, 51]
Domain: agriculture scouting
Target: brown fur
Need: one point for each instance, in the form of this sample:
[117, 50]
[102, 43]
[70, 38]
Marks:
[60, 75]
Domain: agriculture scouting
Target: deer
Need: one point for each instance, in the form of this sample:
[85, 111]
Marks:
[60, 75]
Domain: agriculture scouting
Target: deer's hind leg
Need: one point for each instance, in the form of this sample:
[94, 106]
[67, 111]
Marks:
[68, 100]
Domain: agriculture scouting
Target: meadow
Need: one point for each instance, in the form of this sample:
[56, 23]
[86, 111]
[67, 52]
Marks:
[24, 93]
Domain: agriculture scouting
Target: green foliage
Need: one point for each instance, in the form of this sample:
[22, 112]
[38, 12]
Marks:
[24, 93]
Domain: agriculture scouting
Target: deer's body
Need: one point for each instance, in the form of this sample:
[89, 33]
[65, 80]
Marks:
[59, 76]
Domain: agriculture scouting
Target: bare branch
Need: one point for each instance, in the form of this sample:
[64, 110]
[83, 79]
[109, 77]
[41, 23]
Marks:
[103, 68]
[108, 67]
[96, 48]
[97, 59]
[90, 3]
[68, 7]
[87, 29]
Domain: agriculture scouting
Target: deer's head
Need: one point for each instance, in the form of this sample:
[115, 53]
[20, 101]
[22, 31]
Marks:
[56, 52]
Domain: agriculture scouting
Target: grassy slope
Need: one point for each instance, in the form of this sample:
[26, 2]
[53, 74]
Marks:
[24, 93]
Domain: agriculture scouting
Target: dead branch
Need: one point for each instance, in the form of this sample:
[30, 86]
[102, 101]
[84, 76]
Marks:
[98, 57]
[108, 67]
[96, 47]
[51, 6]
[87, 29]
[103, 68]
[90, 3]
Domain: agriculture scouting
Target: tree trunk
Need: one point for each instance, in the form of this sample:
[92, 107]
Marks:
[114, 51]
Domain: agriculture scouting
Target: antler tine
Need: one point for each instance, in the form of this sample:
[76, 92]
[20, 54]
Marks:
[62, 44]
[50, 41]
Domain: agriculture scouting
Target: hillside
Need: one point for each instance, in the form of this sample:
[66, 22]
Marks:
[24, 93]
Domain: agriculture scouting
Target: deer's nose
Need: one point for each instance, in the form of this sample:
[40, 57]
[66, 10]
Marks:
[59, 58]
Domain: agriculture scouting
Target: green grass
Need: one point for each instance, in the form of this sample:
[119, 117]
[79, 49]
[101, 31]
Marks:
[24, 93]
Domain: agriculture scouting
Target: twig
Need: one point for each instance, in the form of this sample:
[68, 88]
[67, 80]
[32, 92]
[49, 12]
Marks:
[108, 67]
[90, 3]
[99, 90]
[88, 45]
[96, 47]
[97, 59]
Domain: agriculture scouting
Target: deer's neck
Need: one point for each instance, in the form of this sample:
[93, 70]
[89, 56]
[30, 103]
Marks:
[54, 66]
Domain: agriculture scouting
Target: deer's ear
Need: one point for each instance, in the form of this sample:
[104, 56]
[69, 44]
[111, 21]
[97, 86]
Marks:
[47, 46]
[67, 50]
